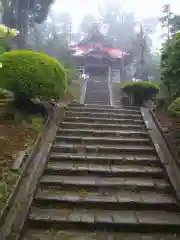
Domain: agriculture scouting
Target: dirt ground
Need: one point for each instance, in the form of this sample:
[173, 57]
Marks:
[13, 137]
[17, 136]
[171, 129]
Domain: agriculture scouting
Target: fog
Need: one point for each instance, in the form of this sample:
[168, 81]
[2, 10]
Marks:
[141, 10]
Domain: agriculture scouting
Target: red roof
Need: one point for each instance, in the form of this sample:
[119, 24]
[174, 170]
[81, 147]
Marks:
[81, 50]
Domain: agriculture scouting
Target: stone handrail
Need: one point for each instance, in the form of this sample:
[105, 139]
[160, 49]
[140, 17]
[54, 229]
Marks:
[83, 90]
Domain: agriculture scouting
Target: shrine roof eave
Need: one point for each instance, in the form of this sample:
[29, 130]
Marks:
[108, 56]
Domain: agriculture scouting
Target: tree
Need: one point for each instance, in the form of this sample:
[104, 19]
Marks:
[20, 14]
[170, 61]
[170, 21]
[165, 19]
[53, 37]
[120, 25]
[143, 55]
[86, 24]
[175, 24]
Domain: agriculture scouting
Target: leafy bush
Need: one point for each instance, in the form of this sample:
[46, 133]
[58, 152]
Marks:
[174, 108]
[6, 34]
[140, 92]
[32, 74]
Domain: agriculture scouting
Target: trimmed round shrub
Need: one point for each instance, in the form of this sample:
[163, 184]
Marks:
[140, 92]
[174, 108]
[32, 74]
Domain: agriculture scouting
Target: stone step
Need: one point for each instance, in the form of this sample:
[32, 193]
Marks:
[93, 169]
[114, 200]
[97, 97]
[108, 149]
[85, 125]
[57, 234]
[120, 160]
[103, 174]
[97, 86]
[103, 95]
[107, 106]
[90, 219]
[109, 110]
[100, 101]
[101, 140]
[94, 91]
[103, 114]
[104, 120]
[102, 133]
[123, 183]
[98, 89]
[104, 106]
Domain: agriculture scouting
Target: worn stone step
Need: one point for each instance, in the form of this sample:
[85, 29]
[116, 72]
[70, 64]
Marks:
[128, 221]
[85, 125]
[96, 99]
[97, 148]
[103, 114]
[103, 133]
[114, 200]
[94, 95]
[107, 106]
[56, 234]
[109, 110]
[101, 140]
[84, 169]
[104, 120]
[142, 183]
[102, 102]
[96, 88]
[119, 160]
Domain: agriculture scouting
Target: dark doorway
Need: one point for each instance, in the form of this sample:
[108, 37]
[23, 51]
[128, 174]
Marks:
[97, 71]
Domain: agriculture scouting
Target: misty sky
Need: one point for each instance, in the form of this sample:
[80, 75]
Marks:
[150, 8]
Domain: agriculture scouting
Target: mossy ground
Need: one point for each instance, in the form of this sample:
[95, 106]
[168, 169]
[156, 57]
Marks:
[16, 136]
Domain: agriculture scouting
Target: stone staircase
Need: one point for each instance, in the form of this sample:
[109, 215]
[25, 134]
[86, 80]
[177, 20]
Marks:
[103, 180]
[97, 91]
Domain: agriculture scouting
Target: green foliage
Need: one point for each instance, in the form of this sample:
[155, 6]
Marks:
[32, 74]
[141, 91]
[174, 108]
[175, 23]
[170, 70]
[6, 34]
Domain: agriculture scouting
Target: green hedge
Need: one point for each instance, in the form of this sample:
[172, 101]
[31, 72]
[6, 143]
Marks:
[32, 74]
[174, 108]
[140, 92]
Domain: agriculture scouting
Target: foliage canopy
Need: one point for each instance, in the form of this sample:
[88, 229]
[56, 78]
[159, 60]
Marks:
[174, 108]
[32, 74]
[170, 70]
[141, 91]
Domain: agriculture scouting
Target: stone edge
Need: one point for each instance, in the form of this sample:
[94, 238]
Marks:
[163, 150]
[15, 212]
